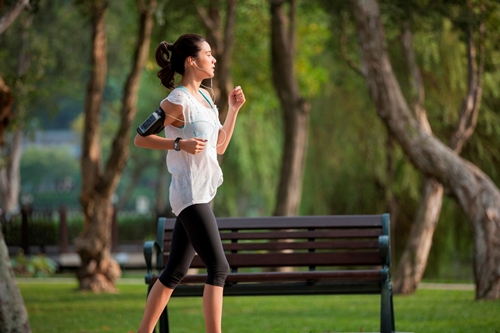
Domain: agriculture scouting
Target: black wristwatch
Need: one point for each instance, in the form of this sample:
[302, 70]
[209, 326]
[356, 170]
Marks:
[176, 144]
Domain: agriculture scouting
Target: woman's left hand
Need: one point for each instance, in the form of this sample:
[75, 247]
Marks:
[237, 98]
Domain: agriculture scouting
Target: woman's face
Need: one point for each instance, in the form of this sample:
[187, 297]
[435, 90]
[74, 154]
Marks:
[205, 61]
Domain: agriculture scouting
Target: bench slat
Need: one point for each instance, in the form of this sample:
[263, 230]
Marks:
[263, 246]
[311, 277]
[288, 288]
[300, 245]
[278, 222]
[365, 275]
[294, 234]
[298, 259]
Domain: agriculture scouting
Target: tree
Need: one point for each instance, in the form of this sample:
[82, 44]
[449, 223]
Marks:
[473, 190]
[99, 271]
[412, 264]
[294, 107]
[13, 314]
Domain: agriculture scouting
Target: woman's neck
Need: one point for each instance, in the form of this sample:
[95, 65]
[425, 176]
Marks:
[191, 86]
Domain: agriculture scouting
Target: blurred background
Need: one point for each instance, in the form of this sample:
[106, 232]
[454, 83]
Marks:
[351, 166]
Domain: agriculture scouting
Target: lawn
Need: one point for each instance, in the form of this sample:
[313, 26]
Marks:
[60, 308]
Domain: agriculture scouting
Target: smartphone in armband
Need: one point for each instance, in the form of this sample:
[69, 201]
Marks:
[153, 124]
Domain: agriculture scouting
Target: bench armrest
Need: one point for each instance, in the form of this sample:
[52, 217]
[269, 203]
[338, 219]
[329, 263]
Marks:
[148, 248]
[384, 250]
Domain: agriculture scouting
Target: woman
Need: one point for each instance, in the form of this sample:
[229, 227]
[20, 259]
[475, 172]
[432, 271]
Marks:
[194, 137]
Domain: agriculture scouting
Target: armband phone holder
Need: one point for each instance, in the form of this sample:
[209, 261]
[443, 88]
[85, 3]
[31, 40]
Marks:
[153, 124]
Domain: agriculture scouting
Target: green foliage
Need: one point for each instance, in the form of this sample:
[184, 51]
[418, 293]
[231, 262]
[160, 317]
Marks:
[55, 46]
[312, 56]
[51, 176]
[41, 232]
[252, 158]
[132, 228]
[136, 227]
[33, 266]
[249, 186]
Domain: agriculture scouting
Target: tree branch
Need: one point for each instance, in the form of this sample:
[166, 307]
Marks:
[417, 94]
[140, 5]
[471, 103]
[229, 29]
[205, 18]
[120, 148]
[292, 22]
[11, 15]
[343, 49]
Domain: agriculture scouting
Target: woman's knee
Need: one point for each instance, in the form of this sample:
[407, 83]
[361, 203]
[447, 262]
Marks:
[216, 275]
[172, 279]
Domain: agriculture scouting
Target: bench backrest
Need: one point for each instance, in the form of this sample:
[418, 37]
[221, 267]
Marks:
[301, 241]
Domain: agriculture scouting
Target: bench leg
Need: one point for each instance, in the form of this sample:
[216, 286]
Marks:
[164, 321]
[387, 324]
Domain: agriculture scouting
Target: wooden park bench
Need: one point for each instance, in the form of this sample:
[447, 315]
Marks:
[329, 255]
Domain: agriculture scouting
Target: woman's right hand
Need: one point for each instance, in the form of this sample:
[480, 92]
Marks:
[193, 146]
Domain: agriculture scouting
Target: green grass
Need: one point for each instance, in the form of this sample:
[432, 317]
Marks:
[59, 307]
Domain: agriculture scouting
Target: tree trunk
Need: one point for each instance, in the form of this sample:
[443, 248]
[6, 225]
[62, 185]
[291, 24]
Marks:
[413, 262]
[221, 40]
[295, 108]
[13, 314]
[10, 175]
[474, 191]
[99, 270]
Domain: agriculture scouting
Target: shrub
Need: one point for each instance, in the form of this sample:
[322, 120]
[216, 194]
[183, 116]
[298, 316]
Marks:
[33, 266]
[40, 233]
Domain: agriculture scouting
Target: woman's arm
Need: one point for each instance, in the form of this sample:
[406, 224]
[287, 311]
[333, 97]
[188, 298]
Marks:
[173, 116]
[236, 100]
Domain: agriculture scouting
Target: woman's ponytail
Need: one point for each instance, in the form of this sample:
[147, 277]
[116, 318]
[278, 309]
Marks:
[166, 74]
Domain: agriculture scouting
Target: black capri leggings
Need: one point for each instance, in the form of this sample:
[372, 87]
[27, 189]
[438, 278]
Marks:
[195, 231]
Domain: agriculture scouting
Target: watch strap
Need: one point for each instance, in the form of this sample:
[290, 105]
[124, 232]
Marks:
[176, 144]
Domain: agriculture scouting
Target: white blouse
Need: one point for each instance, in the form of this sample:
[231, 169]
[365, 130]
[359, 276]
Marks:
[195, 178]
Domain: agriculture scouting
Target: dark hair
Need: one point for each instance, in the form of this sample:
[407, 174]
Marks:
[188, 45]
